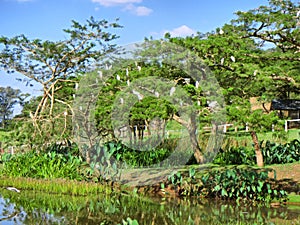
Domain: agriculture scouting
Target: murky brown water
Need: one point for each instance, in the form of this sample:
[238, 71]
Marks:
[37, 208]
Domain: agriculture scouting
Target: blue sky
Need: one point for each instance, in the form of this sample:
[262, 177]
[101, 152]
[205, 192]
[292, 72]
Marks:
[45, 19]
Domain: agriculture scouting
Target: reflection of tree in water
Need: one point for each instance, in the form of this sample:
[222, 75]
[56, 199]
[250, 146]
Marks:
[19, 215]
[111, 209]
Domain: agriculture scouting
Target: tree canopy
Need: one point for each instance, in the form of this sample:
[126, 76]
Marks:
[53, 63]
[254, 55]
[9, 98]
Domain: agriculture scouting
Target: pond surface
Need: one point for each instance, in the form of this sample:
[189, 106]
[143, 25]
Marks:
[29, 207]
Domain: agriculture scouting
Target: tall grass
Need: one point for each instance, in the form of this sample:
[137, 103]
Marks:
[60, 186]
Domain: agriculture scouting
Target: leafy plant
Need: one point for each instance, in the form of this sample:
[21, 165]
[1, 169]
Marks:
[44, 165]
[235, 156]
[281, 153]
[65, 147]
[272, 153]
[241, 183]
[112, 152]
[129, 221]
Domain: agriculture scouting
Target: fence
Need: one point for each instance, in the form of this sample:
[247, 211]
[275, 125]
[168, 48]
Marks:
[286, 124]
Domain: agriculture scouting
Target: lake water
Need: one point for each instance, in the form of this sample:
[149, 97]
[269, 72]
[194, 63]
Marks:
[29, 207]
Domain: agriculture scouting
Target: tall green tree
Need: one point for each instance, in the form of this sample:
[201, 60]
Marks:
[275, 27]
[51, 63]
[256, 55]
[9, 98]
[149, 89]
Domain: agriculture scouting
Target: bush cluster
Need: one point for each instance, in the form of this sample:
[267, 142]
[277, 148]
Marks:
[273, 154]
[240, 183]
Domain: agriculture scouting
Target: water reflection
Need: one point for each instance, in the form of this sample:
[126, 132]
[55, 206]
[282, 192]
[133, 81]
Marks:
[38, 208]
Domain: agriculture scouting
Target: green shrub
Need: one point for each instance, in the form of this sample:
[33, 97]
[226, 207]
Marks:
[136, 158]
[235, 156]
[281, 153]
[43, 165]
[65, 147]
[129, 221]
[241, 183]
[273, 154]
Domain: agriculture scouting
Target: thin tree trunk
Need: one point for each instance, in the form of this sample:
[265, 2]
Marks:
[191, 127]
[259, 156]
[194, 141]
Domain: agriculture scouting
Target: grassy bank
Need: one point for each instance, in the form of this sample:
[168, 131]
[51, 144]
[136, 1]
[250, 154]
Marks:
[59, 186]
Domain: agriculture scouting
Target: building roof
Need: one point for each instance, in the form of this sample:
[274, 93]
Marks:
[285, 104]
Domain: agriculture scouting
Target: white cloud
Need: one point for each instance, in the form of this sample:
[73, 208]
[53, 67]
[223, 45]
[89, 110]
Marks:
[128, 5]
[116, 2]
[181, 31]
[138, 10]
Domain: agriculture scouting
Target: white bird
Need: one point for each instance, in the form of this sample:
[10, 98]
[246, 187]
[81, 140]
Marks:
[156, 94]
[31, 115]
[197, 84]
[127, 72]
[13, 189]
[232, 58]
[222, 61]
[221, 32]
[298, 14]
[128, 82]
[76, 86]
[172, 90]
[138, 94]
[118, 77]
[100, 74]
[122, 101]
[139, 68]
[108, 67]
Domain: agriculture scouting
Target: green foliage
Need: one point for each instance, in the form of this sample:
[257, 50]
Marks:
[273, 154]
[55, 186]
[118, 152]
[235, 156]
[129, 221]
[281, 153]
[44, 165]
[9, 97]
[241, 183]
[53, 65]
[65, 147]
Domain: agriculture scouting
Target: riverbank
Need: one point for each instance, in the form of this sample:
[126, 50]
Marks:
[287, 174]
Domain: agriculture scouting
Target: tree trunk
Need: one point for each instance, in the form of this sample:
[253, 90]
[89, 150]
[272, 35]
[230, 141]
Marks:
[196, 148]
[259, 156]
[191, 127]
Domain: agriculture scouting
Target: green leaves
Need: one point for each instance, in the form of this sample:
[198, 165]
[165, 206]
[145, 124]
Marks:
[53, 64]
[9, 97]
[272, 153]
[43, 165]
[281, 153]
[129, 221]
[240, 183]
